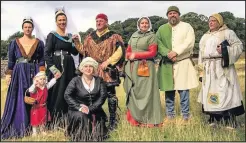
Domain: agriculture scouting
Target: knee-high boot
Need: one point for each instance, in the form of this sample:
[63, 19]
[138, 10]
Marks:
[112, 107]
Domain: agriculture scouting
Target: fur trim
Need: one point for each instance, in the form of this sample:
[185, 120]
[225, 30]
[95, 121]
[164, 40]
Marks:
[8, 72]
[23, 53]
[32, 50]
[102, 38]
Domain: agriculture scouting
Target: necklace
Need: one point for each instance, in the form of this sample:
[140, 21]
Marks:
[87, 82]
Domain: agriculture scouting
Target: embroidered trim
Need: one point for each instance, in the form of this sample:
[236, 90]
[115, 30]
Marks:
[97, 39]
[8, 72]
[70, 40]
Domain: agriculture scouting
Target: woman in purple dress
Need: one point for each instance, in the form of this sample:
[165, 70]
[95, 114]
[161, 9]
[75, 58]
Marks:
[25, 59]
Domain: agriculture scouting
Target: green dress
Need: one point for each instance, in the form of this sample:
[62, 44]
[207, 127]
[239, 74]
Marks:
[143, 98]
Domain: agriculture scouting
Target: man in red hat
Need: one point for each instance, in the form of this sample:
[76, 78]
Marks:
[107, 48]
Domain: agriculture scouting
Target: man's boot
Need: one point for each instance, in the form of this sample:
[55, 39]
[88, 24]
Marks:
[112, 106]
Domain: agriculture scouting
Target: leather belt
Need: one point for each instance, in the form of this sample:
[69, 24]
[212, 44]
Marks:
[212, 58]
[24, 60]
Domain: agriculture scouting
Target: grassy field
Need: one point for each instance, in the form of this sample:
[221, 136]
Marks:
[197, 130]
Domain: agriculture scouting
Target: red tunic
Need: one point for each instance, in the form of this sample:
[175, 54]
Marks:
[39, 110]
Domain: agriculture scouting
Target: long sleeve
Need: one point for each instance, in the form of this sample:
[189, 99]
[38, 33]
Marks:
[32, 89]
[74, 50]
[79, 48]
[129, 48]
[32, 92]
[236, 47]
[188, 43]
[152, 50]
[200, 62]
[48, 50]
[100, 101]
[69, 93]
[162, 49]
[40, 57]
[51, 83]
[128, 51]
[116, 56]
[11, 58]
[48, 53]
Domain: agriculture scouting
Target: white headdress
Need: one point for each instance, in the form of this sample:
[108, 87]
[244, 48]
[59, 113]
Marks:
[71, 28]
[39, 34]
[150, 25]
[88, 61]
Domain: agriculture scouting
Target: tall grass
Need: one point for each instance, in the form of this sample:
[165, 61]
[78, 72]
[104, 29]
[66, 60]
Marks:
[196, 130]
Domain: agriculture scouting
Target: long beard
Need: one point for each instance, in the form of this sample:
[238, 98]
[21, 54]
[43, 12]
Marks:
[173, 21]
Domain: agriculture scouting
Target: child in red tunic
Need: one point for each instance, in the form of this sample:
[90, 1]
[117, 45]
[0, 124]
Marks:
[39, 112]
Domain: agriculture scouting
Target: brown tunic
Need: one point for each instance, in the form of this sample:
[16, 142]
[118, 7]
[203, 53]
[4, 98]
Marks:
[101, 48]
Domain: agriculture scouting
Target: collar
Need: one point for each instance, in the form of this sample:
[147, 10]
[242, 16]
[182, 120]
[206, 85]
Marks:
[99, 34]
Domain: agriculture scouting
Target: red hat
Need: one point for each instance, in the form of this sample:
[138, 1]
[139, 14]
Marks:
[103, 16]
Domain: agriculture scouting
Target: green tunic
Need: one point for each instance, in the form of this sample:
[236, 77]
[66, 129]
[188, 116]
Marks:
[144, 97]
[165, 69]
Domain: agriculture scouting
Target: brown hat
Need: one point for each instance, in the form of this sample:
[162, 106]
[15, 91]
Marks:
[173, 8]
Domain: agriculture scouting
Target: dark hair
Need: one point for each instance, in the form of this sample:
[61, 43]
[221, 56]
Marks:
[29, 21]
[60, 14]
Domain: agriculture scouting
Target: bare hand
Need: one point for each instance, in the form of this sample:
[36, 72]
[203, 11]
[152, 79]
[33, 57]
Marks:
[75, 38]
[36, 83]
[219, 49]
[84, 109]
[171, 55]
[8, 79]
[104, 65]
[132, 56]
[57, 75]
[174, 59]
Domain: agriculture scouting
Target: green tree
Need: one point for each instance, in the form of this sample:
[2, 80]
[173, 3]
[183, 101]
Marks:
[15, 35]
[4, 49]
[236, 24]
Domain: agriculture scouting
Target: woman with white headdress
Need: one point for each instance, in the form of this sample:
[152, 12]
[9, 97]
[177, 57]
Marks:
[85, 96]
[57, 55]
[25, 59]
[140, 84]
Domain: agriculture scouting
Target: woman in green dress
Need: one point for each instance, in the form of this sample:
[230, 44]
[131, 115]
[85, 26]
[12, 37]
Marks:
[141, 86]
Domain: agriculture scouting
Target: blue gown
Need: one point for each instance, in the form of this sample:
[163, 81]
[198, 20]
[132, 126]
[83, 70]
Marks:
[15, 119]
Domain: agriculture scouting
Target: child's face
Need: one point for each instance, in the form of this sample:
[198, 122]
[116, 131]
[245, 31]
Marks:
[41, 80]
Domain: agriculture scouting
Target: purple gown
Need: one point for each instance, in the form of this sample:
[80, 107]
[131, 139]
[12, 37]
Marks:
[15, 119]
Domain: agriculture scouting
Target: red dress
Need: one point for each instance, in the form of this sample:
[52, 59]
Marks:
[39, 111]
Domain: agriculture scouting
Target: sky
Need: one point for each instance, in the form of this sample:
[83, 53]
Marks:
[83, 13]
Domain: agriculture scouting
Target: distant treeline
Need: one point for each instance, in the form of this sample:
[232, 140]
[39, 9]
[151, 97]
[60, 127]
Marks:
[126, 28]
